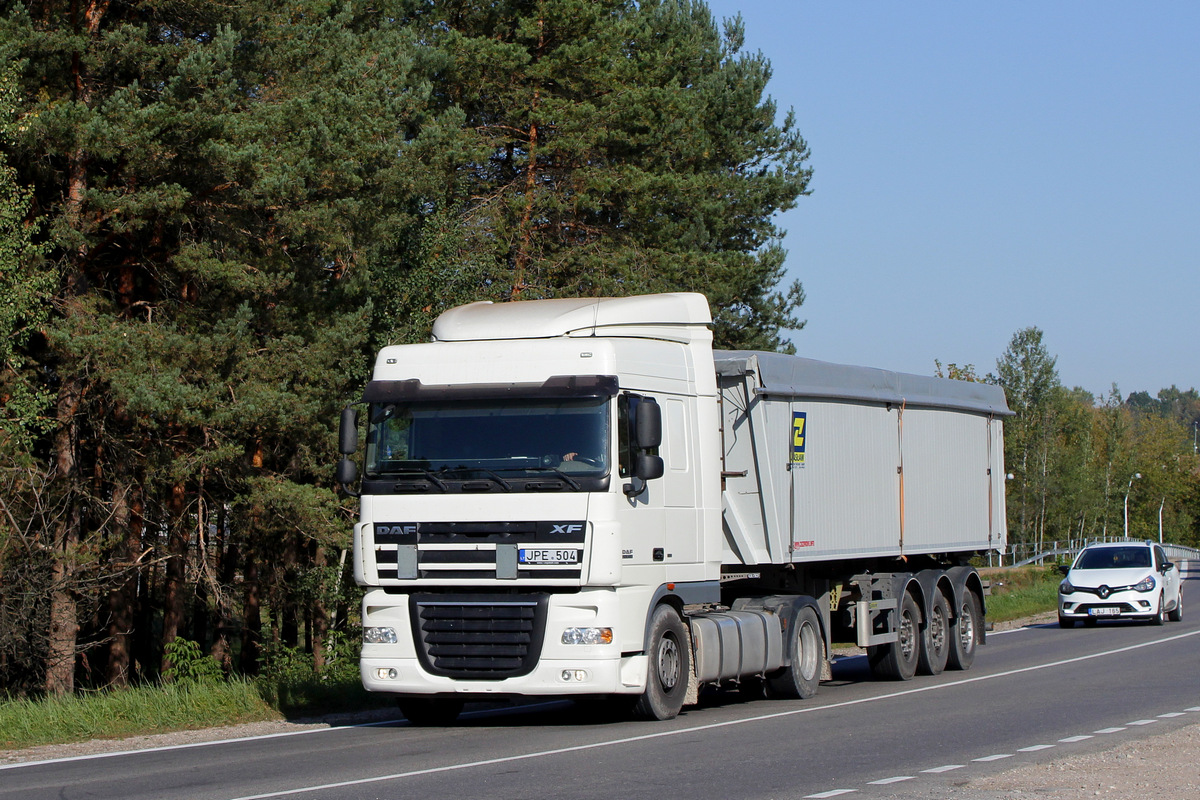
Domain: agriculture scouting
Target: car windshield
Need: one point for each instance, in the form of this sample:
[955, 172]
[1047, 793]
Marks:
[1114, 558]
[521, 436]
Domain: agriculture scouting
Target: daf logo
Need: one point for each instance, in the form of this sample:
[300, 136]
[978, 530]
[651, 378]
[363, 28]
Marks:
[396, 530]
[565, 529]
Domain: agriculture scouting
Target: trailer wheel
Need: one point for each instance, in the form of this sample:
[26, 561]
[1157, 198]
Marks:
[670, 665]
[898, 660]
[430, 711]
[935, 639]
[806, 649]
[964, 632]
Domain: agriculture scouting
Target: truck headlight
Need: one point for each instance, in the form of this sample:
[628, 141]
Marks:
[1146, 584]
[379, 636]
[587, 636]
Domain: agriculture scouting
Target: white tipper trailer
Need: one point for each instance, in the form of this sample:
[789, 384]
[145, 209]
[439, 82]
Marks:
[579, 497]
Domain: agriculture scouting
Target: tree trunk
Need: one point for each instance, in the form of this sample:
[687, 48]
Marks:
[319, 617]
[252, 620]
[122, 599]
[173, 590]
[64, 622]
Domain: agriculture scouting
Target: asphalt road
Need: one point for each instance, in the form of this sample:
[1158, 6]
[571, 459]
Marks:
[1033, 694]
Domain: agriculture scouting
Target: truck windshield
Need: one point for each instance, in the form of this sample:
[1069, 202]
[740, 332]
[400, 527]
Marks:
[499, 439]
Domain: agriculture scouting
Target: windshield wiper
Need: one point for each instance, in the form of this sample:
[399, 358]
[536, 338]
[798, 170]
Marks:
[507, 486]
[574, 484]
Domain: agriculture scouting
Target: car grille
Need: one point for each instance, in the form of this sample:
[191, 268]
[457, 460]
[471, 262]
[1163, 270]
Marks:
[479, 636]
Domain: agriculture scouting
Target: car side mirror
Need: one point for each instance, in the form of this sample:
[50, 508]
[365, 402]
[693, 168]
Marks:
[1166, 567]
[1064, 568]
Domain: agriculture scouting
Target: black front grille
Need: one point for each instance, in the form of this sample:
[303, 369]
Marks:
[487, 637]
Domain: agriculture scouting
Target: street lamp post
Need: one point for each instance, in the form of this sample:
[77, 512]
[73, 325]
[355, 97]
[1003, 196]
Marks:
[1136, 475]
[1160, 508]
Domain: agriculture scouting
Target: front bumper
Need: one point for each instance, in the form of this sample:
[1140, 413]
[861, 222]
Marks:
[1119, 605]
[551, 677]
[553, 668]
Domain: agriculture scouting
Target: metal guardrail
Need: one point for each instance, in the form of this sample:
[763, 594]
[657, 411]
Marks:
[1015, 557]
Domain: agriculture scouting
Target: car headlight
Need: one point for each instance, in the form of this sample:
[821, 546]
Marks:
[587, 636]
[1065, 587]
[1146, 584]
[379, 636]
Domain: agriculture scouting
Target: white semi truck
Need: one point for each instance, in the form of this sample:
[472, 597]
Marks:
[581, 497]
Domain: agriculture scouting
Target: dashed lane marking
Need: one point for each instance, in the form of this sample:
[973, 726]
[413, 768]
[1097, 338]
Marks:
[996, 757]
[1036, 748]
[833, 793]
[1142, 722]
[886, 781]
[946, 768]
[1110, 730]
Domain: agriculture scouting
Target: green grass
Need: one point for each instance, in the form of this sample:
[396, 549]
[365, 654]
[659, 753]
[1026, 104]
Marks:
[130, 712]
[1021, 592]
[188, 705]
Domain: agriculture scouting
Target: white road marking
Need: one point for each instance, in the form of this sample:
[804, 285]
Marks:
[1171, 714]
[1073, 739]
[996, 757]
[886, 781]
[1036, 748]
[1110, 730]
[833, 793]
[947, 768]
[645, 737]
[1142, 722]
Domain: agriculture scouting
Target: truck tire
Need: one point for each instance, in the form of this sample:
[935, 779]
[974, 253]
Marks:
[806, 651]
[430, 711]
[964, 632]
[670, 665]
[935, 637]
[898, 660]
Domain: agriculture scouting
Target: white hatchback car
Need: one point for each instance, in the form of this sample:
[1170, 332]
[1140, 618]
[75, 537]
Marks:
[1125, 580]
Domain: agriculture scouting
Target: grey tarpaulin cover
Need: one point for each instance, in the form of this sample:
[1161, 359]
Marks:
[782, 375]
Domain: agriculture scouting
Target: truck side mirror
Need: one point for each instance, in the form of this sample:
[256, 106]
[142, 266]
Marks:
[648, 467]
[347, 472]
[648, 425]
[348, 433]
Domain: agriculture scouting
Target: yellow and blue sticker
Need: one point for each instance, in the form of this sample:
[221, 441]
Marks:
[799, 434]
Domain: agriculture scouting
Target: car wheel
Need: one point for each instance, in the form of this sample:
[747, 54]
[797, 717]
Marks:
[1063, 622]
[1176, 614]
[1161, 617]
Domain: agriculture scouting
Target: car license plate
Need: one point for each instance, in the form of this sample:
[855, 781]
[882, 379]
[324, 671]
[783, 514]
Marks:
[1104, 611]
[547, 556]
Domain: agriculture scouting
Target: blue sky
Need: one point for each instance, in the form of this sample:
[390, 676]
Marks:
[980, 168]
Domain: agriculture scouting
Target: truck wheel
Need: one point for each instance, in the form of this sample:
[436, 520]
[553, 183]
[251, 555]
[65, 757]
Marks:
[964, 632]
[806, 648]
[898, 660]
[670, 665]
[430, 711]
[935, 638]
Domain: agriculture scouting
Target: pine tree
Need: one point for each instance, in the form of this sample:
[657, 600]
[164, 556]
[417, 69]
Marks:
[617, 148]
